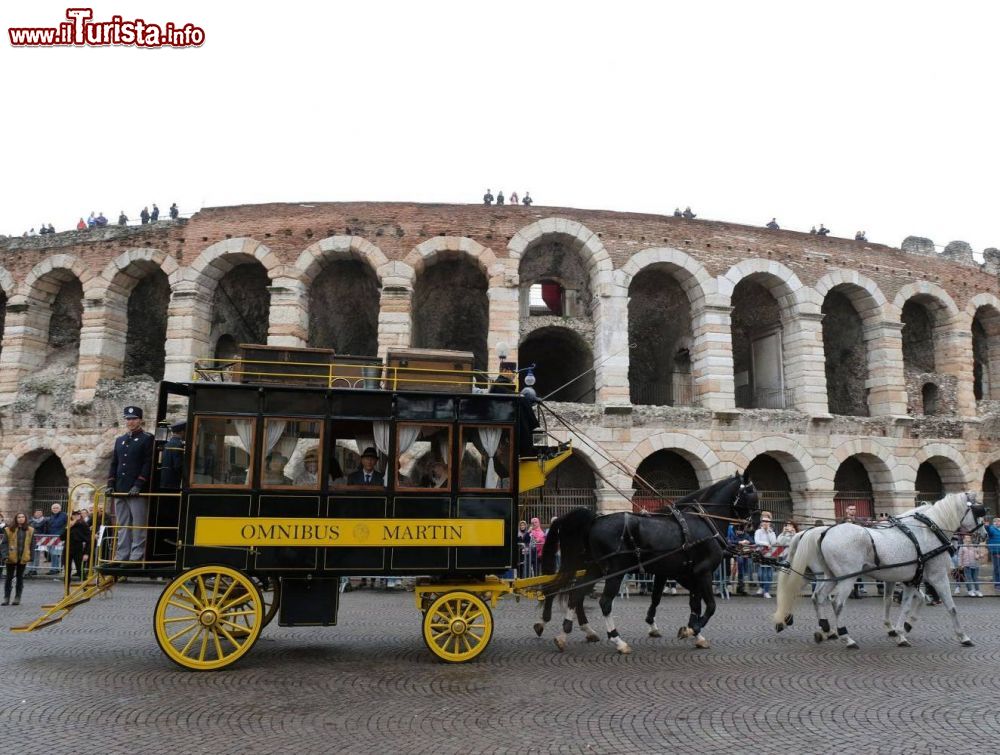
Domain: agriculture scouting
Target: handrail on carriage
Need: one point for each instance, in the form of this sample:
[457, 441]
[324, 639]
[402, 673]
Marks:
[376, 374]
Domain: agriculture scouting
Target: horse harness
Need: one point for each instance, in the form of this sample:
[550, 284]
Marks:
[921, 559]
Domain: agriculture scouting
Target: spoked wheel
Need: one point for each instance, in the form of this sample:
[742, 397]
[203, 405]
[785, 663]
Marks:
[270, 593]
[208, 618]
[458, 627]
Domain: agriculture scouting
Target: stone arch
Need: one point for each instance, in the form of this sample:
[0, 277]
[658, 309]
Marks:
[36, 286]
[701, 457]
[313, 258]
[17, 474]
[864, 293]
[123, 273]
[588, 242]
[784, 285]
[983, 313]
[666, 291]
[134, 299]
[795, 460]
[6, 291]
[437, 248]
[689, 273]
[873, 456]
[950, 465]
[214, 261]
[929, 292]
[339, 304]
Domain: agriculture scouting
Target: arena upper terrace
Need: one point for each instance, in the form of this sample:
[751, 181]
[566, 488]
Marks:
[825, 364]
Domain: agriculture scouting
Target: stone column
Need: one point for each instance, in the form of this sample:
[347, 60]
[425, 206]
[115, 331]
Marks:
[886, 385]
[810, 505]
[25, 342]
[189, 326]
[504, 325]
[394, 318]
[894, 501]
[954, 354]
[611, 345]
[805, 363]
[103, 335]
[609, 501]
[288, 320]
[712, 356]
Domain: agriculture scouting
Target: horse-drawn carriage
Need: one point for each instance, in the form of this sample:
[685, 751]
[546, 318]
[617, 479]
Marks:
[296, 475]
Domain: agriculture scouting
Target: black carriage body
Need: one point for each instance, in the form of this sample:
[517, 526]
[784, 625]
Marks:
[401, 509]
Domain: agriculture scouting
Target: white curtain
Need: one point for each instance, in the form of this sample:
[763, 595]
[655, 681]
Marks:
[490, 438]
[381, 430]
[443, 449]
[275, 429]
[244, 431]
[408, 435]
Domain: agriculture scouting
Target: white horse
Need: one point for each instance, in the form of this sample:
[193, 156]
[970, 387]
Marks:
[912, 548]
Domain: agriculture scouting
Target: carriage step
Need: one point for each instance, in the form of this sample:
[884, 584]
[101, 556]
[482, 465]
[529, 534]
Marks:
[56, 612]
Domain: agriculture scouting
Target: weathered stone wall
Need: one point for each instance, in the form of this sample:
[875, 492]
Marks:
[275, 254]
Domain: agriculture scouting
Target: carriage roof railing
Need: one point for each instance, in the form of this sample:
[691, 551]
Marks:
[372, 376]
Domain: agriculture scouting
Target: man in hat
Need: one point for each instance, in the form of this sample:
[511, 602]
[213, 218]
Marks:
[367, 474]
[172, 460]
[131, 466]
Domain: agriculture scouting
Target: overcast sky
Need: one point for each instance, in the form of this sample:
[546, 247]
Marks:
[860, 115]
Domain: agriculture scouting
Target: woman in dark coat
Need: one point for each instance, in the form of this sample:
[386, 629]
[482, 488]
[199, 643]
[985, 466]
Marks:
[19, 541]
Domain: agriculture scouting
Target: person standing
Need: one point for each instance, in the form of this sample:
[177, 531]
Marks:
[764, 537]
[993, 543]
[144, 216]
[174, 212]
[77, 540]
[122, 218]
[172, 460]
[155, 214]
[19, 538]
[527, 201]
[131, 464]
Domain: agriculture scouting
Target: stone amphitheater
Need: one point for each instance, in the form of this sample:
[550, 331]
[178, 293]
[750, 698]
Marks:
[834, 370]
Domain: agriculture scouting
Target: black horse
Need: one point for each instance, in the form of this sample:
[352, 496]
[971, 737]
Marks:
[678, 542]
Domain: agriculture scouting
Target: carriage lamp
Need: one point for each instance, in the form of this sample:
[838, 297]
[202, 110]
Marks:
[502, 350]
[162, 431]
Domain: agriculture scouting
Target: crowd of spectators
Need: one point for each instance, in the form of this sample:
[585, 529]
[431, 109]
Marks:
[98, 220]
[488, 198]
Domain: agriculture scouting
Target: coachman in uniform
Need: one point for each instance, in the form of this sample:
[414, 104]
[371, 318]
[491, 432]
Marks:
[131, 465]
[172, 459]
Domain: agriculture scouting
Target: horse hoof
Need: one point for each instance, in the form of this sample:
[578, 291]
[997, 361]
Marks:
[539, 628]
[684, 632]
[561, 644]
[779, 627]
[852, 645]
[818, 636]
[832, 636]
[624, 649]
[968, 643]
[907, 626]
[903, 643]
[655, 633]
[893, 632]
[593, 638]
[702, 643]
[789, 620]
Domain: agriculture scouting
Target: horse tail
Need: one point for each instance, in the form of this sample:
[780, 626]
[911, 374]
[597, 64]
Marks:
[801, 552]
[568, 537]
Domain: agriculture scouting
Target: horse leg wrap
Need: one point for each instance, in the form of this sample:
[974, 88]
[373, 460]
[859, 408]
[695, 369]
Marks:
[841, 631]
[824, 624]
[567, 626]
[612, 634]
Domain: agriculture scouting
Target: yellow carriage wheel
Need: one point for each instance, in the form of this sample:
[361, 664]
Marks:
[458, 626]
[208, 618]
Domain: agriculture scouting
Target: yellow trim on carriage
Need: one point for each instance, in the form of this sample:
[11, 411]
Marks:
[340, 533]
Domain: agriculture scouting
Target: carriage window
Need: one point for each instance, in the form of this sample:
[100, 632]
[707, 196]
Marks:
[423, 456]
[223, 448]
[292, 453]
[486, 458]
[358, 453]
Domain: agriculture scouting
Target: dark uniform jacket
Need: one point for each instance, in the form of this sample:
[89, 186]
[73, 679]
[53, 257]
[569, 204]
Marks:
[172, 464]
[132, 461]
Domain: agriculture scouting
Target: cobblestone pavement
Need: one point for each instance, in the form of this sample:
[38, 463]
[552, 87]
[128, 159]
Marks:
[98, 684]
